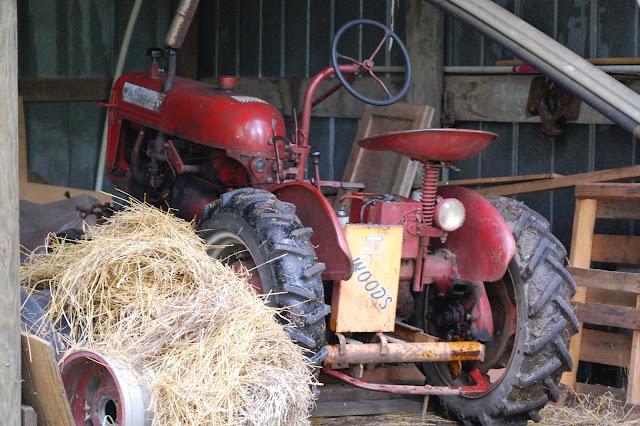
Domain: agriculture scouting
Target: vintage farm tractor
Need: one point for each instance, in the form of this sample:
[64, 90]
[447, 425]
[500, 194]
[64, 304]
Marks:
[482, 279]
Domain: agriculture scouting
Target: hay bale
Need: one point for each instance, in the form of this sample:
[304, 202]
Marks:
[141, 289]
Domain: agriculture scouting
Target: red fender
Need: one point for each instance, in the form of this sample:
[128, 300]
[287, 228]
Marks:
[484, 245]
[328, 238]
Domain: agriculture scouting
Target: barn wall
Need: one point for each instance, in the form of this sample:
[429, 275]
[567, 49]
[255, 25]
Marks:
[80, 39]
[290, 39]
[591, 28]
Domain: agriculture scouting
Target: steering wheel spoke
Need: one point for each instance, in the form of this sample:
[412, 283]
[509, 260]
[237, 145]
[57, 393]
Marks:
[368, 64]
[375, 52]
[381, 83]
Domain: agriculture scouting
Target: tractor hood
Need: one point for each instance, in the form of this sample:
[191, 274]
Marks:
[198, 112]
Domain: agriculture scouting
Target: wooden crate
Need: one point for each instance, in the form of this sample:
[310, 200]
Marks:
[606, 298]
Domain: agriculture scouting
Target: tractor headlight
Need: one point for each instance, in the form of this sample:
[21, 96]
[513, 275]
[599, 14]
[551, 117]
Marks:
[449, 214]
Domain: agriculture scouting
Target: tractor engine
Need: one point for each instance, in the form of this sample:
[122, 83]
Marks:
[182, 148]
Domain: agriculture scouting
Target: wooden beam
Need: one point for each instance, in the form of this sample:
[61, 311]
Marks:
[497, 180]
[9, 229]
[620, 249]
[425, 45]
[609, 191]
[607, 280]
[605, 348]
[622, 173]
[64, 89]
[503, 98]
[498, 98]
[608, 315]
[584, 220]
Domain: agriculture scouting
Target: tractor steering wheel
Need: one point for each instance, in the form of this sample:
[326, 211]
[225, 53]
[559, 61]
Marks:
[367, 64]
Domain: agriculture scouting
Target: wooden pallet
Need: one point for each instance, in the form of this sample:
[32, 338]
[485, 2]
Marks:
[382, 171]
[606, 298]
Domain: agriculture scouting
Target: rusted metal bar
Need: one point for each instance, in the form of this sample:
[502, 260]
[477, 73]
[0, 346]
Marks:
[480, 387]
[405, 352]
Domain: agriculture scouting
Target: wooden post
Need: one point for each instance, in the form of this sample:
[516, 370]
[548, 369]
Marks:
[9, 233]
[425, 44]
[580, 257]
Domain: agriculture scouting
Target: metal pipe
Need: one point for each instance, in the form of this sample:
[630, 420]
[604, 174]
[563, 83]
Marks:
[561, 57]
[524, 69]
[180, 24]
[601, 105]
[367, 353]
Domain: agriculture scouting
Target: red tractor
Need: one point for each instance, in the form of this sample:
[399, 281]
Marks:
[483, 279]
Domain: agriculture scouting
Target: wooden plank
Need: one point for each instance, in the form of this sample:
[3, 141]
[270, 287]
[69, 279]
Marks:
[502, 98]
[42, 194]
[605, 348]
[608, 280]
[64, 89]
[497, 180]
[598, 390]
[633, 377]
[383, 171]
[608, 315]
[618, 209]
[43, 388]
[363, 408]
[622, 173]
[584, 220]
[622, 249]
[9, 228]
[497, 98]
[609, 191]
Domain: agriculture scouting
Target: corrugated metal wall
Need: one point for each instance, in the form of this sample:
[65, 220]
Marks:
[591, 28]
[81, 39]
[290, 38]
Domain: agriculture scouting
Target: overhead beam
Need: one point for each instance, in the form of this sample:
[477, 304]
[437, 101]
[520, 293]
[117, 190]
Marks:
[496, 98]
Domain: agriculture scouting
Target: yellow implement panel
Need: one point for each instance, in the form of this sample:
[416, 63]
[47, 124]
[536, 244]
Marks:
[367, 301]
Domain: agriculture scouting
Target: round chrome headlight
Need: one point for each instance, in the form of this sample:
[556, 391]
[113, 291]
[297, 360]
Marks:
[449, 214]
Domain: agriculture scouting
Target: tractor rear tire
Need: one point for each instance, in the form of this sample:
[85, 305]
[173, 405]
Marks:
[534, 355]
[251, 227]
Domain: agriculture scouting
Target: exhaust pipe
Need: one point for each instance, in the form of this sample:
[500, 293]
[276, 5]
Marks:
[175, 36]
[180, 24]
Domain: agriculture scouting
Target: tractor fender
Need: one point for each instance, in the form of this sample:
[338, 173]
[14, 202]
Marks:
[484, 244]
[315, 212]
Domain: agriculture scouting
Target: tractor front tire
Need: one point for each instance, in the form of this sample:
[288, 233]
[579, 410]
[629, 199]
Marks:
[533, 323]
[252, 228]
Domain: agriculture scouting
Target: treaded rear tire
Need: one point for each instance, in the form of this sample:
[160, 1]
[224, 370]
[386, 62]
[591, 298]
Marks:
[279, 246]
[542, 289]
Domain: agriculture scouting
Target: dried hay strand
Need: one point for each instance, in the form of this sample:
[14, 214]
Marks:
[141, 289]
[588, 410]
